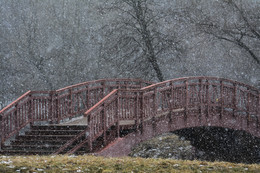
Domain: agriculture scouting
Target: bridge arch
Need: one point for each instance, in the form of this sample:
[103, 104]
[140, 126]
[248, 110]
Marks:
[184, 103]
[122, 146]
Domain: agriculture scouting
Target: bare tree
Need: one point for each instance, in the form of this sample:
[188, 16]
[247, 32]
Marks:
[135, 40]
[232, 21]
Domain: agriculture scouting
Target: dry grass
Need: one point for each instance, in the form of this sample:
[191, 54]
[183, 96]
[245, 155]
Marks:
[65, 163]
[164, 146]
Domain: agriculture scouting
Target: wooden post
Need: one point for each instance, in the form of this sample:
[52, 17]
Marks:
[234, 99]
[118, 114]
[154, 108]
[87, 97]
[1, 131]
[186, 99]
[16, 116]
[30, 111]
[71, 102]
[118, 85]
[141, 111]
[104, 118]
[207, 96]
[52, 108]
[126, 85]
[57, 107]
[136, 110]
[103, 84]
[170, 104]
[171, 101]
[141, 84]
[258, 110]
[248, 106]
[89, 134]
[221, 99]
[200, 97]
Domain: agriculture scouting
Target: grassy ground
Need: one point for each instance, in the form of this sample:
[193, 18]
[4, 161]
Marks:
[64, 163]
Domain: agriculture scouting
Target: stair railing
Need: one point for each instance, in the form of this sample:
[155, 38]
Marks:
[15, 116]
[100, 117]
[119, 105]
[54, 106]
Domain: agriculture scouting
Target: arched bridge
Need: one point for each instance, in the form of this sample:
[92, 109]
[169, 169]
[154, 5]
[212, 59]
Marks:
[119, 113]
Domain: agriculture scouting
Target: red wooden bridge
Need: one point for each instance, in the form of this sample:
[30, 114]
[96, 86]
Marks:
[120, 113]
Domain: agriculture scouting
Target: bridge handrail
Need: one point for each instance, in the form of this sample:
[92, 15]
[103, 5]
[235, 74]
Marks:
[15, 102]
[199, 77]
[59, 104]
[142, 82]
[212, 85]
[93, 111]
[12, 109]
[177, 94]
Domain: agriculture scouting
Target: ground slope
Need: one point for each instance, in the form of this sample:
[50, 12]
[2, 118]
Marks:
[64, 163]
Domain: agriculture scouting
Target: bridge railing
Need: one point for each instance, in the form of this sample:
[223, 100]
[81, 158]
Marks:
[15, 116]
[118, 105]
[54, 106]
[78, 98]
[180, 97]
[101, 116]
[205, 93]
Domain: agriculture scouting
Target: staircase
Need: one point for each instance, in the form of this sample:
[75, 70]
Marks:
[44, 140]
[57, 106]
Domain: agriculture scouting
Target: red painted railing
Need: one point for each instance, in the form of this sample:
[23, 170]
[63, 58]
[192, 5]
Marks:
[182, 97]
[54, 106]
[101, 116]
[129, 104]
